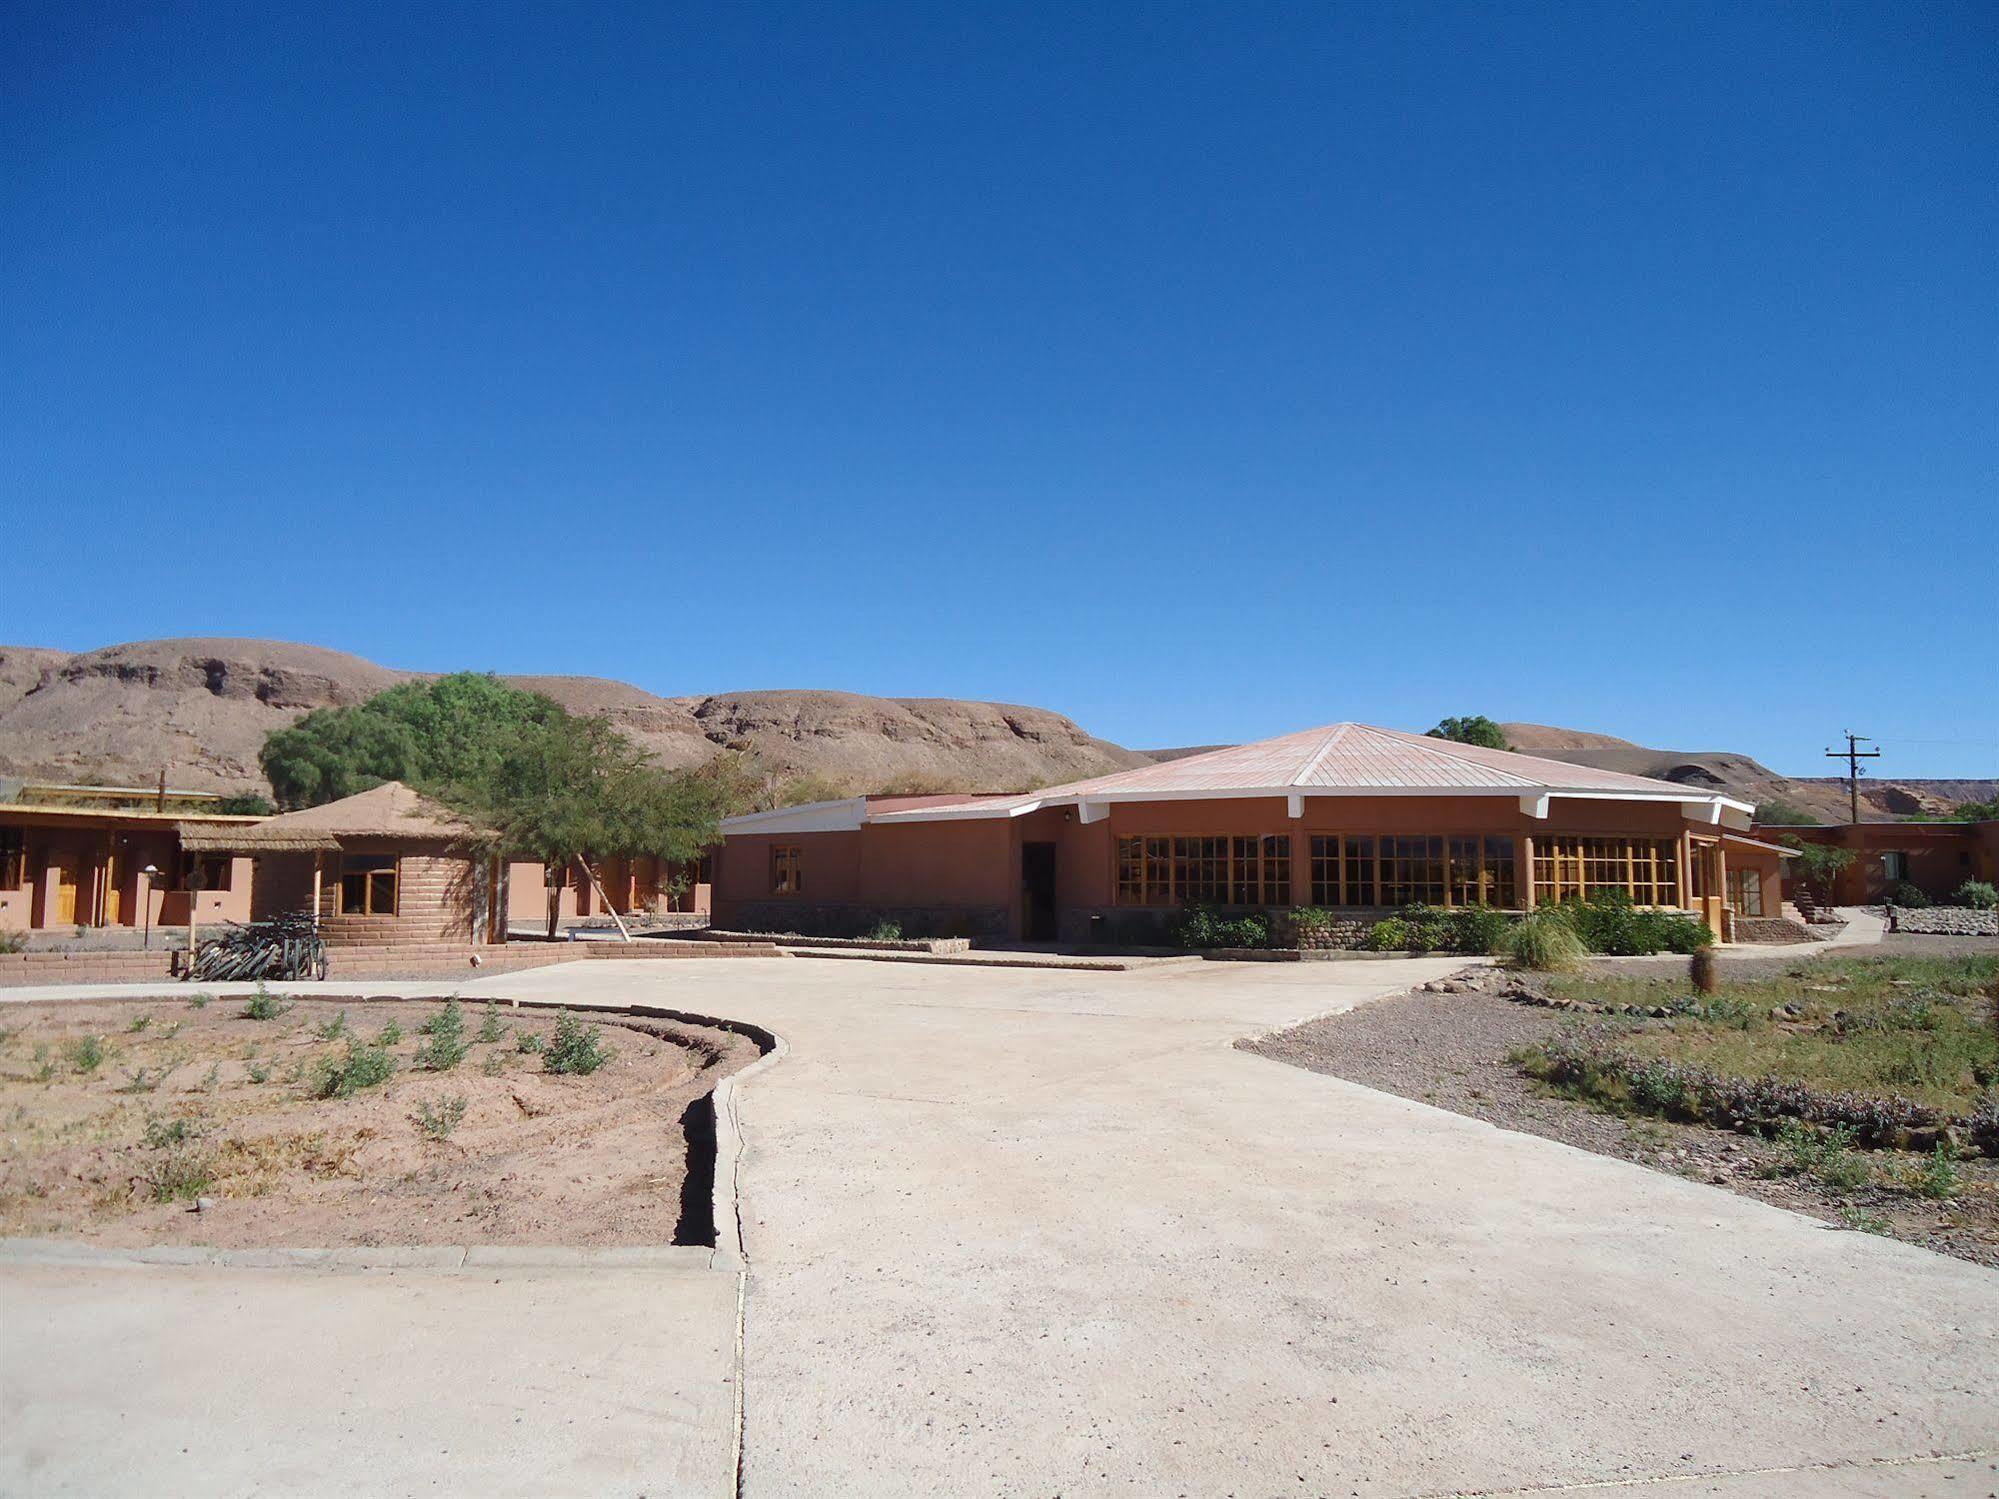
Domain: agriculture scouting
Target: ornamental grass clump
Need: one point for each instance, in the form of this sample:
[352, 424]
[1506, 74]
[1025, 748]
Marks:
[1544, 942]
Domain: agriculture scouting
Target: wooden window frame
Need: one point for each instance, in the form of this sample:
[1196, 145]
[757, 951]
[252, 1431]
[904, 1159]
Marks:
[1742, 880]
[371, 870]
[787, 869]
[13, 858]
[1645, 867]
[1159, 869]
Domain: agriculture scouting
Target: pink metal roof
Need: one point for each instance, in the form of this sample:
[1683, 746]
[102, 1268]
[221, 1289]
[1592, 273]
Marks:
[1341, 756]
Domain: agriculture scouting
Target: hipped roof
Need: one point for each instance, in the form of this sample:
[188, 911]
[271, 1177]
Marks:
[391, 810]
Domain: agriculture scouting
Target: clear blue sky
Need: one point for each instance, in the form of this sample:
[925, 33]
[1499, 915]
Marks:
[1201, 371]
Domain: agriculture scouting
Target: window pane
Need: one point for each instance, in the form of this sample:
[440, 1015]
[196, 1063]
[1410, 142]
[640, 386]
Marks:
[382, 893]
[1358, 872]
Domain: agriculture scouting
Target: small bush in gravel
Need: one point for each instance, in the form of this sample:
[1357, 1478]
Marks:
[199, 1001]
[1936, 1176]
[1977, 894]
[334, 1029]
[389, 1034]
[574, 1048]
[139, 1023]
[886, 931]
[527, 1041]
[1544, 942]
[181, 1167]
[1203, 928]
[1826, 1155]
[265, 1005]
[362, 1067]
[447, 1046]
[1909, 897]
[438, 1123]
[490, 1029]
[86, 1055]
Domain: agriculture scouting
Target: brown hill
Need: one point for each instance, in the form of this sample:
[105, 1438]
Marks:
[200, 710]
[1723, 770]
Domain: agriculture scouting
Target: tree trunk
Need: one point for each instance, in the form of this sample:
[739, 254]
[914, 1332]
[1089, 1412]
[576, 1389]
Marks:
[554, 908]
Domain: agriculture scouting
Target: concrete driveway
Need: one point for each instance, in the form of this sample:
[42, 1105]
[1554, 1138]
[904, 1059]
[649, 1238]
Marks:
[1018, 1232]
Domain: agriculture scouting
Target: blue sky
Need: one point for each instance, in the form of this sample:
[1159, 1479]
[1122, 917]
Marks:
[1200, 371]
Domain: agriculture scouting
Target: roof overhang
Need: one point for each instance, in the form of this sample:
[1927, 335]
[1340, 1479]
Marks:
[852, 813]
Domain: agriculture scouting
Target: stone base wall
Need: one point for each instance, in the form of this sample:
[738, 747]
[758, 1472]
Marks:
[850, 919]
[1944, 921]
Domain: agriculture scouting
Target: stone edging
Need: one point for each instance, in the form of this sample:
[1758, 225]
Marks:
[726, 1255]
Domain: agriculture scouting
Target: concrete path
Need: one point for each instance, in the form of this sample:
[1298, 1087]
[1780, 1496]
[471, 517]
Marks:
[1019, 1232]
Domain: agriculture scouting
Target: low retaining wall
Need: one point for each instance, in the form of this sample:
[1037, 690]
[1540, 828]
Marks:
[1943, 921]
[935, 945]
[844, 919]
[466, 962]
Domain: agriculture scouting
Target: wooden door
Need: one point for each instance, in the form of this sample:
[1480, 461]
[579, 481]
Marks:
[63, 869]
[114, 903]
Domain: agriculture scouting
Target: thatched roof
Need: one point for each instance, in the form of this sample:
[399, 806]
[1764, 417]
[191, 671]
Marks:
[390, 810]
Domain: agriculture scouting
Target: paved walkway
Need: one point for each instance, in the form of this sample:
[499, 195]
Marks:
[1018, 1232]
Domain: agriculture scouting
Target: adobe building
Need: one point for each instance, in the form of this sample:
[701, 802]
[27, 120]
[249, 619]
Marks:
[1348, 817]
[64, 867]
[632, 887]
[387, 867]
[1935, 857]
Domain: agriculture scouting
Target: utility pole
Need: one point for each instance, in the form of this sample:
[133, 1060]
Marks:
[1853, 754]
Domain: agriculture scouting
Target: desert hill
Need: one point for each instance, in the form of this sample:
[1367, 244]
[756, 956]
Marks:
[200, 709]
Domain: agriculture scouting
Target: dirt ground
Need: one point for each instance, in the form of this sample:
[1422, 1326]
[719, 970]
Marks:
[197, 1103]
[1450, 1050]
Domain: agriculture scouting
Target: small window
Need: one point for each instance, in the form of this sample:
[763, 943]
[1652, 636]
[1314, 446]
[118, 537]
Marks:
[1895, 865]
[368, 884]
[205, 871]
[786, 869]
[13, 857]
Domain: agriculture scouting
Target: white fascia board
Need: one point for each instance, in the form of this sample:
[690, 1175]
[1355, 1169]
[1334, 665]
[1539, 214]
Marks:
[957, 814]
[1098, 800]
[808, 817]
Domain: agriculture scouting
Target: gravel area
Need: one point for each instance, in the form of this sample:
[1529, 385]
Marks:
[1450, 1049]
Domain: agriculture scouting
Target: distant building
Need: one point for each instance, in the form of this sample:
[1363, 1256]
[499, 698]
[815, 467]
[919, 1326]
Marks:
[77, 856]
[1935, 857]
[1360, 820]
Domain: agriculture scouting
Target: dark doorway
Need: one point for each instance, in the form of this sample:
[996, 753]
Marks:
[1037, 891]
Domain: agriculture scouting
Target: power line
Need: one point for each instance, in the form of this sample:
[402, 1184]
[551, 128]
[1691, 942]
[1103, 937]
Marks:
[1853, 754]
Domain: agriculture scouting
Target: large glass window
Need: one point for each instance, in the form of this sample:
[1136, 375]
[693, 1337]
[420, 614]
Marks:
[1745, 892]
[368, 884]
[787, 872]
[1646, 869]
[1412, 871]
[1482, 872]
[1167, 871]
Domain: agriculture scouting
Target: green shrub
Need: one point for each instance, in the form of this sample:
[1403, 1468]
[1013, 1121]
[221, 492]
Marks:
[334, 1029]
[362, 1067]
[1977, 894]
[139, 1023]
[527, 1041]
[181, 1168]
[490, 1029]
[389, 1034]
[574, 1048]
[885, 931]
[1480, 929]
[1204, 928]
[1391, 935]
[1937, 1177]
[1543, 941]
[199, 1001]
[86, 1055]
[1824, 1154]
[1610, 924]
[1909, 897]
[265, 1005]
[438, 1123]
[447, 1046]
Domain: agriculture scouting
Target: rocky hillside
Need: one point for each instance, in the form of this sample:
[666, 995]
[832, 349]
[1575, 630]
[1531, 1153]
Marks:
[1723, 770]
[199, 709]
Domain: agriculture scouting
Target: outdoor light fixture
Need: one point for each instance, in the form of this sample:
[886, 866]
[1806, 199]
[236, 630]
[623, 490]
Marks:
[151, 872]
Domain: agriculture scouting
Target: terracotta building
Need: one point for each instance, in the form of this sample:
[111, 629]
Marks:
[1935, 857]
[384, 867]
[64, 867]
[1357, 819]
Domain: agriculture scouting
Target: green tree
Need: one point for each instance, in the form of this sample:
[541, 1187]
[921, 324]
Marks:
[1783, 814]
[1476, 729]
[548, 784]
[1817, 864]
[1987, 811]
